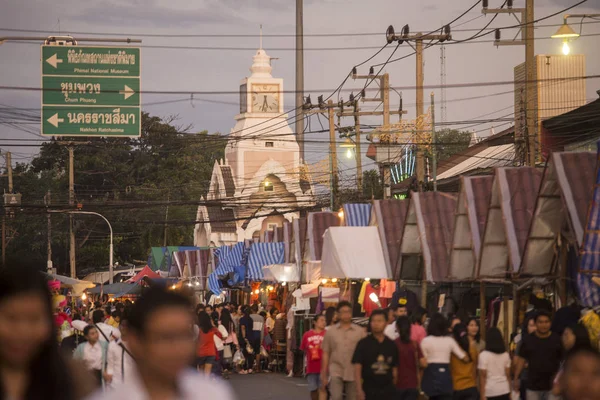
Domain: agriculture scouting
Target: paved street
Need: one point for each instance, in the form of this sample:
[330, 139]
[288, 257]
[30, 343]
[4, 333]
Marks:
[269, 386]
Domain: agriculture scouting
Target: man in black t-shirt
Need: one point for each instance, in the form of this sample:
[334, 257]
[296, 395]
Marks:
[543, 352]
[376, 362]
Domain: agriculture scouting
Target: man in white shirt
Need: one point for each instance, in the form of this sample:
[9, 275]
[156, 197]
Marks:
[92, 352]
[400, 310]
[160, 338]
[120, 365]
[107, 332]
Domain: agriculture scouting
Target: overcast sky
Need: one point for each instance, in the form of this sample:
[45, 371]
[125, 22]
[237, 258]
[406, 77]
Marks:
[174, 69]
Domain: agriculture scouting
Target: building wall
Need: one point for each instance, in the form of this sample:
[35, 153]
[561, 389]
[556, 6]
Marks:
[553, 95]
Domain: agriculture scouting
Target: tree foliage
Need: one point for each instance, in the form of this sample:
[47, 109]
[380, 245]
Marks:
[166, 164]
[450, 142]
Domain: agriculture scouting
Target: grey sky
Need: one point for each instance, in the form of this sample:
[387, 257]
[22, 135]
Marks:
[222, 70]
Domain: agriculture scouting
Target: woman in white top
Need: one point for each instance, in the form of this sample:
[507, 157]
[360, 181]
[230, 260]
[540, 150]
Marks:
[494, 368]
[437, 348]
[219, 344]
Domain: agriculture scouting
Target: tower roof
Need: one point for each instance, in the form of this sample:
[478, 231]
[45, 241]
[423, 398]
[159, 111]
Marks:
[261, 67]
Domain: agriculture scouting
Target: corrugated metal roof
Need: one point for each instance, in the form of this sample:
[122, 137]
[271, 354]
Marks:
[221, 220]
[228, 180]
[567, 181]
[389, 216]
[470, 217]
[435, 219]
[495, 156]
[514, 194]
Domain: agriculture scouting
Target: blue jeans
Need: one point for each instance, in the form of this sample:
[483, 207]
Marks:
[540, 395]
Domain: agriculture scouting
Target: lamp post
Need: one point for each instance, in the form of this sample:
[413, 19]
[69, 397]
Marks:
[566, 33]
[110, 255]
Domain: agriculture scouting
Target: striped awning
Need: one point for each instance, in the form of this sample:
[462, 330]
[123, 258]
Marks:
[230, 255]
[589, 292]
[262, 254]
[357, 214]
[214, 285]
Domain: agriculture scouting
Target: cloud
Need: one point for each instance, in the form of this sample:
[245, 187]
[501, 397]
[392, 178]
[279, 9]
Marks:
[158, 14]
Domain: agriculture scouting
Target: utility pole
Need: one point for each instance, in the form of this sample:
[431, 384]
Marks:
[358, 153]
[167, 219]
[418, 38]
[433, 145]
[48, 201]
[300, 76]
[332, 153]
[525, 141]
[530, 86]
[420, 79]
[384, 99]
[10, 190]
[71, 204]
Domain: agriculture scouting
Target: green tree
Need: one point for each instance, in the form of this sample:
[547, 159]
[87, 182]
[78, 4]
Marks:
[450, 142]
[372, 185]
[129, 181]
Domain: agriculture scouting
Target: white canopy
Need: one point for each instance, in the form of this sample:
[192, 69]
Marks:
[76, 285]
[281, 273]
[354, 253]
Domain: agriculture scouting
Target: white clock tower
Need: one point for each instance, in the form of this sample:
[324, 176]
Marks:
[262, 173]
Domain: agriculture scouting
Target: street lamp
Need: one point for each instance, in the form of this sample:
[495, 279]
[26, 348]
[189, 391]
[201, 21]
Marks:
[110, 249]
[566, 33]
[348, 144]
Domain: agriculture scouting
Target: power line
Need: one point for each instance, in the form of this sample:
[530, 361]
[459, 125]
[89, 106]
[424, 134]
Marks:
[242, 35]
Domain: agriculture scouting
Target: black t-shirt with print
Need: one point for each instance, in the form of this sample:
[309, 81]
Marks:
[377, 360]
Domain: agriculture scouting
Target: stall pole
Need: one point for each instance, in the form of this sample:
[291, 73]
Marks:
[506, 322]
[516, 307]
[423, 284]
[482, 324]
[563, 273]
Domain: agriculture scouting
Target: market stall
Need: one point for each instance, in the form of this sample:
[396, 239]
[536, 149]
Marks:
[427, 236]
[77, 287]
[353, 253]
[389, 217]
[469, 223]
[117, 290]
[512, 203]
[588, 276]
[564, 196]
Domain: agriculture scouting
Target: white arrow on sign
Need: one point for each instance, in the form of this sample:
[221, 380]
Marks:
[54, 61]
[54, 120]
[127, 92]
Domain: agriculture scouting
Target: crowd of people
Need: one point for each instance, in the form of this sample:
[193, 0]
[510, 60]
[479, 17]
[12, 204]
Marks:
[162, 348]
[397, 358]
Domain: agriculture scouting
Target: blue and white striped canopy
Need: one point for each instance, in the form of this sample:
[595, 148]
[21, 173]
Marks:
[357, 214]
[262, 254]
[213, 279]
[229, 257]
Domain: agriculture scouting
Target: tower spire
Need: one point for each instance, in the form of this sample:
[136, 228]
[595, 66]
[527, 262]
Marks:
[260, 47]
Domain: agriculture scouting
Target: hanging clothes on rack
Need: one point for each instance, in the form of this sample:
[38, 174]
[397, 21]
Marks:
[402, 292]
[387, 289]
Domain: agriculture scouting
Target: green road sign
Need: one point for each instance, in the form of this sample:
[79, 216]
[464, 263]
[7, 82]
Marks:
[90, 61]
[91, 121]
[91, 91]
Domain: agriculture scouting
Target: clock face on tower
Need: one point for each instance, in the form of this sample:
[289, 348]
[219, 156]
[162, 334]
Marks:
[265, 98]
